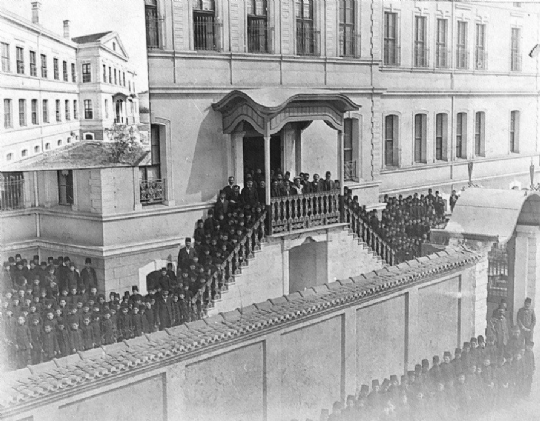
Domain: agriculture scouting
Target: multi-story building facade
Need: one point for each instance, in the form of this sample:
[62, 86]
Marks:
[52, 89]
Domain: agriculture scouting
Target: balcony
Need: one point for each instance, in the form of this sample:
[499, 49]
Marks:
[206, 33]
[421, 56]
[480, 62]
[349, 171]
[308, 41]
[259, 36]
[462, 58]
[392, 54]
[11, 193]
[152, 191]
[292, 213]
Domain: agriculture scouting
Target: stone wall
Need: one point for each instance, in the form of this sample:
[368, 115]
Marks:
[281, 359]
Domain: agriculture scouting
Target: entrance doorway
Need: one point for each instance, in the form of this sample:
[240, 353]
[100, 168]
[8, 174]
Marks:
[308, 266]
[253, 151]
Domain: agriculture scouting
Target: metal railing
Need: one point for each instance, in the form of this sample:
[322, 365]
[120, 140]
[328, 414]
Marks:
[308, 41]
[497, 273]
[291, 213]
[369, 236]
[421, 56]
[480, 59]
[206, 33]
[153, 29]
[349, 42]
[11, 194]
[349, 171]
[223, 276]
[391, 54]
[259, 36]
[462, 58]
[442, 57]
[152, 191]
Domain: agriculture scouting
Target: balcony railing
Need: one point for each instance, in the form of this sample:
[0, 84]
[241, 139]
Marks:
[291, 213]
[349, 43]
[442, 57]
[497, 273]
[11, 194]
[308, 41]
[369, 236]
[223, 276]
[349, 171]
[421, 56]
[152, 191]
[480, 59]
[259, 36]
[515, 63]
[392, 54]
[462, 58]
[206, 33]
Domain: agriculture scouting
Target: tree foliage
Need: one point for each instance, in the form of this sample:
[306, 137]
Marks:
[125, 146]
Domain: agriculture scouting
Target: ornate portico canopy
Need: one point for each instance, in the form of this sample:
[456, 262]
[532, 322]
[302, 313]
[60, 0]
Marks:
[269, 109]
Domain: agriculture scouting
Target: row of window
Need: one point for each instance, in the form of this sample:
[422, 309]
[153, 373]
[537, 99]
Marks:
[206, 35]
[37, 149]
[68, 69]
[66, 109]
[443, 56]
[114, 77]
[441, 149]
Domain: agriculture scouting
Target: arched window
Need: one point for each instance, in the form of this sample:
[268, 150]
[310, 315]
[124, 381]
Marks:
[9, 157]
[59, 142]
[89, 136]
[441, 137]
[47, 146]
[461, 135]
[391, 133]
[479, 134]
[36, 149]
[420, 135]
[24, 153]
[68, 140]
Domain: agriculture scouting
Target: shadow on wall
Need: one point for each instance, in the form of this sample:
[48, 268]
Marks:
[209, 161]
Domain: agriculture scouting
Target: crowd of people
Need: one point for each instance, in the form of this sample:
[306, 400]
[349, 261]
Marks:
[405, 223]
[483, 375]
[476, 380]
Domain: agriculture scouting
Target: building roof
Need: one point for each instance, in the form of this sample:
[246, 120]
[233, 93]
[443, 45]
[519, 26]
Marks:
[492, 213]
[76, 373]
[85, 39]
[80, 155]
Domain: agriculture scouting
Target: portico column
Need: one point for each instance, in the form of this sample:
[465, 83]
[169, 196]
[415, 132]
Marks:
[267, 182]
[340, 161]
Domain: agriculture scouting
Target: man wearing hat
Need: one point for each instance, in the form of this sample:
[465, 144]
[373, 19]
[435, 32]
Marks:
[250, 195]
[526, 320]
[185, 254]
[88, 275]
[497, 329]
[447, 369]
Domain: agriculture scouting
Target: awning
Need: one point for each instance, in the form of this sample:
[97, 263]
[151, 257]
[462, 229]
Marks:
[269, 109]
[493, 213]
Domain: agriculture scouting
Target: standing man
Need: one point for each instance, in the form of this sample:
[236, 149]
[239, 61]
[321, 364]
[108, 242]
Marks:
[185, 254]
[526, 320]
[497, 330]
[228, 189]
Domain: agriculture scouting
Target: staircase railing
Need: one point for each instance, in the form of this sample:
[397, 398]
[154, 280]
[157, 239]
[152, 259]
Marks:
[368, 235]
[290, 213]
[223, 276]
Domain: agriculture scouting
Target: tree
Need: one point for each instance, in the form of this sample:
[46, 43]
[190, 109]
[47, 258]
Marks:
[125, 146]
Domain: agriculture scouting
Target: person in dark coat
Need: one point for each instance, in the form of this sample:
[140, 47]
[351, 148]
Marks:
[136, 320]
[228, 189]
[63, 339]
[96, 329]
[87, 334]
[75, 338]
[23, 342]
[88, 275]
[35, 337]
[185, 254]
[51, 348]
[222, 204]
[164, 311]
[526, 320]
[107, 329]
[261, 192]
[250, 196]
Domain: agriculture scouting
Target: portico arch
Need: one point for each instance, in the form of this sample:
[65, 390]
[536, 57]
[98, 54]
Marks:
[510, 219]
[269, 110]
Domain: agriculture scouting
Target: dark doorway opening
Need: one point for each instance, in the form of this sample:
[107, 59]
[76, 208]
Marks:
[253, 150]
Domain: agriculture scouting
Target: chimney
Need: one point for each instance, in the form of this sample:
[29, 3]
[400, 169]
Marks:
[66, 29]
[36, 6]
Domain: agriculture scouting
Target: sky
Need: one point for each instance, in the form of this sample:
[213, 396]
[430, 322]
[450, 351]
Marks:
[92, 16]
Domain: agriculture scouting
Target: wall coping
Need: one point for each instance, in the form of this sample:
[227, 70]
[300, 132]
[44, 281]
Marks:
[28, 388]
